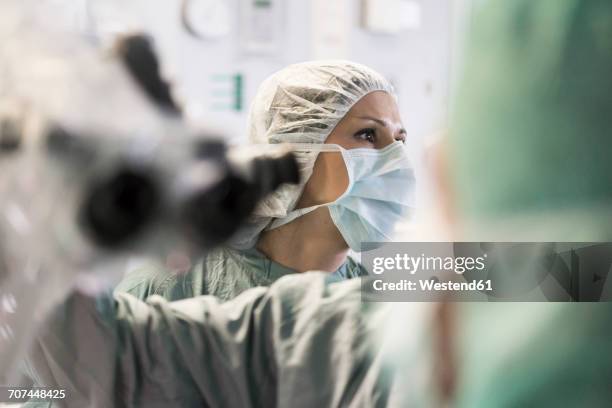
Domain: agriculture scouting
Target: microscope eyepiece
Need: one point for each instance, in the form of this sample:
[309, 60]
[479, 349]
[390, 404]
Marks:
[214, 215]
[118, 207]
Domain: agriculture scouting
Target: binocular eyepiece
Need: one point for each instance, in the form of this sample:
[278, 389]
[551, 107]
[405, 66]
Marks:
[117, 208]
[119, 205]
[213, 215]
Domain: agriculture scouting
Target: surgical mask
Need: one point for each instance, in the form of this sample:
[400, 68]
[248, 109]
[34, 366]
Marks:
[380, 193]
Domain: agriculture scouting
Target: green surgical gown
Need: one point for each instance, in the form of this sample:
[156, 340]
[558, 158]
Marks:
[224, 273]
[303, 342]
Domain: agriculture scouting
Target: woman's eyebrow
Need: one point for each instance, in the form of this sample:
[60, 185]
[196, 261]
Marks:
[379, 121]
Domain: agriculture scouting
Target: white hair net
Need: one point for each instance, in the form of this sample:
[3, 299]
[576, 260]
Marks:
[303, 103]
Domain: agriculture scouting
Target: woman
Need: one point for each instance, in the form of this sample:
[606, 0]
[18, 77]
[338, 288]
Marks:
[340, 118]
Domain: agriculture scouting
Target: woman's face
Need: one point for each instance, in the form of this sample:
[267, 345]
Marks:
[372, 123]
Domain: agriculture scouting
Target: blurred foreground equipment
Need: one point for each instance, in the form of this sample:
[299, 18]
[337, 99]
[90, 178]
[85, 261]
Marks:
[95, 166]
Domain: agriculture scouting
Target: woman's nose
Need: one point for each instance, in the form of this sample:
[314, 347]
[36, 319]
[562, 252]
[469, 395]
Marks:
[388, 136]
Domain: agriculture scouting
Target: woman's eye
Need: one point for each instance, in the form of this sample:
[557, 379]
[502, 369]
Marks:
[368, 135]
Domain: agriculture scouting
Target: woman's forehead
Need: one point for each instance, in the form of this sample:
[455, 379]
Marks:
[379, 105]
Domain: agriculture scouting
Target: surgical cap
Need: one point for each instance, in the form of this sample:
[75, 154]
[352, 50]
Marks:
[303, 103]
[531, 131]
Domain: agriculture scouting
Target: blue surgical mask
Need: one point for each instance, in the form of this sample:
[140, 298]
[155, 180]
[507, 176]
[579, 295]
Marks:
[380, 194]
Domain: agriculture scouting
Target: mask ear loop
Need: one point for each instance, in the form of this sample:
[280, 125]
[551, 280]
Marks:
[325, 148]
[328, 148]
[316, 148]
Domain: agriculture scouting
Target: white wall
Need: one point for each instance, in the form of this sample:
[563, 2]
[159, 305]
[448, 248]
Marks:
[417, 61]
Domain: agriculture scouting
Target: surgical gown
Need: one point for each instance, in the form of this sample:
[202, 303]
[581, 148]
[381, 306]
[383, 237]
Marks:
[305, 342]
[302, 343]
[224, 273]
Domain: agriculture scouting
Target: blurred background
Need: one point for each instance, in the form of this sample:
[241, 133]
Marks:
[217, 52]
